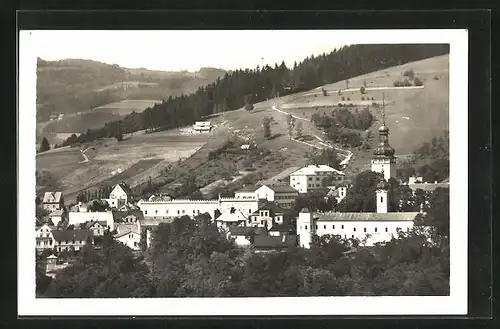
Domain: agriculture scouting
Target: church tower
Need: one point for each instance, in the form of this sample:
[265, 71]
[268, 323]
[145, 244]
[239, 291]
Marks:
[383, 160]
[382, 197]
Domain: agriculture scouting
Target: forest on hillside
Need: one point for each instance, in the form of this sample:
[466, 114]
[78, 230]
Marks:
[235, 89]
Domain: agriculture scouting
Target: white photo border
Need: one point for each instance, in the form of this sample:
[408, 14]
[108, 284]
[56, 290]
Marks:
[455, 304]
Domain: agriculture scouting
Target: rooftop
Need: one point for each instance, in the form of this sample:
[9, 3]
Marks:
[232, 215]
[75, 234]
[428, 186]
[118, 215]
[281, 188]
[313, 169]
[365, 216]
[274, 242]
[124, 229]
[269, 205]
[52, 197]
[125, 188]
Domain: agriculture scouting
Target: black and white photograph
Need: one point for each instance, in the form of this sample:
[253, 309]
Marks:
[285, 172]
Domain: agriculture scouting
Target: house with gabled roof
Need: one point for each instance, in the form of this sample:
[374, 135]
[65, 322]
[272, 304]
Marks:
[312, 177]
[129, 234]
[244, 236]
[53, 201]
[282, 194]
[44, 238]
[231, 217]
[267, 215]
[268, 243]
[119, 196]
[96, 227]
[71, 240]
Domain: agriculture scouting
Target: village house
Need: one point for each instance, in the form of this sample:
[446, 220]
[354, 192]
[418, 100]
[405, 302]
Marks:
[44, 238]
[57, 216]
[415, 183]
[244, 236]
[53, 201]
[202, 126]
[313, 177]
[230, 218]
[97, 228]
[129, 234]
[119, 196]
[268, 243]
[280, 230]
[71, 240]
[282, 194]
[339, 193]
[78, 218]
[268, 215]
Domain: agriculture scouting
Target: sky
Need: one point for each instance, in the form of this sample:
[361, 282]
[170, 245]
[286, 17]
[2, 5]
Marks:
[186, 50]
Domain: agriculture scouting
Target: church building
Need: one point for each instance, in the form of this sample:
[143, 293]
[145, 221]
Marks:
[368, 227]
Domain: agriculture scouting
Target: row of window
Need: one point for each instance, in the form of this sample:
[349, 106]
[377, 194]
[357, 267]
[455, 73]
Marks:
[183, 212]
[354, 229]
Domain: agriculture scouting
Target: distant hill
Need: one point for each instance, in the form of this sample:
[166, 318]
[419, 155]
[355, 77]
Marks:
[76, 85]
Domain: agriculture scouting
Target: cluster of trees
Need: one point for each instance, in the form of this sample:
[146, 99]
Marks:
[327, 157]
[228, 93]
[410, 79]
[192, 258]
[294, 126]
[340, 124]
[100, 193]
[344, 118]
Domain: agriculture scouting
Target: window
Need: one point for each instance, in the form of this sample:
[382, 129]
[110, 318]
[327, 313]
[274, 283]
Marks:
[364, 230]
[333, 226]
[354, 229]
[381, 199]
[166, 211]
[183, 211]
[316, 226]
[306, 227]
[353, 236]
[135, 244]
[73, 242]
[178, 212]
[317, 185]
[375, 229]
[310, 179]
[156, 211]
[194, 211]
[342, 226]
[386, 229]
[145, 212]
[324, 226]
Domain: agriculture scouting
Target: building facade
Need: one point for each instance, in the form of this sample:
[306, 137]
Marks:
[312, 177]
[282, 194]
[71, 240]
[368, 228]
[53, 201]
[44, 238]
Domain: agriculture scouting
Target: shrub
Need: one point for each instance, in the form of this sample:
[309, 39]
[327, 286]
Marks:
[436, 77]
[343, 98]
[362, 98]
[418, 82]
[348, 98]
[409, 73]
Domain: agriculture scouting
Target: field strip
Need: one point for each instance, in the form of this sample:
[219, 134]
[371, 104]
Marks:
[367, 89]
[286, 113]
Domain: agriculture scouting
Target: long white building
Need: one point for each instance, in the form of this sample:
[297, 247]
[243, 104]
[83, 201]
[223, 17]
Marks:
[367, 227]
[192, 208]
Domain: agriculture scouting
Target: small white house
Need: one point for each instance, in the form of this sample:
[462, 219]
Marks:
[119, 196]
[44, 238]
[53, 201]
[129, 235]
[202, 126]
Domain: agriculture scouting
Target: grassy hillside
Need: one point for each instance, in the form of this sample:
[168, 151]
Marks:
[74, 85]
[413, 115]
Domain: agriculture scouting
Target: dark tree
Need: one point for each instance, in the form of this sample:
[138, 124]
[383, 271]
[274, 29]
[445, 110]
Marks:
[44, 146]
[266, 123]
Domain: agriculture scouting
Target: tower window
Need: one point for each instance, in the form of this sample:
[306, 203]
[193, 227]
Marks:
[354, 229]
[324, 226]
[316, 226]
[333, 227]
[364, 229]
[375, 229]
[306, 227]
[342, 226]
[381, 199]
[386, 229]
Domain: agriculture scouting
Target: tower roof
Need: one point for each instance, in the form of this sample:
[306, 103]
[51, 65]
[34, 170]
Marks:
[383, 185]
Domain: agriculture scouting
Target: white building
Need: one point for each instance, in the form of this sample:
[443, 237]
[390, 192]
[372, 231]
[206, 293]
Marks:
[77, 218]
[44, 238]
[119, 196]
[267, 216]
[179, 207]
[232, 217]
[311, 177]
[202, 126]
[384, 161]
[367, 227]
[282, 194]
[53, 201]
[129, 234]
[71, 240]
